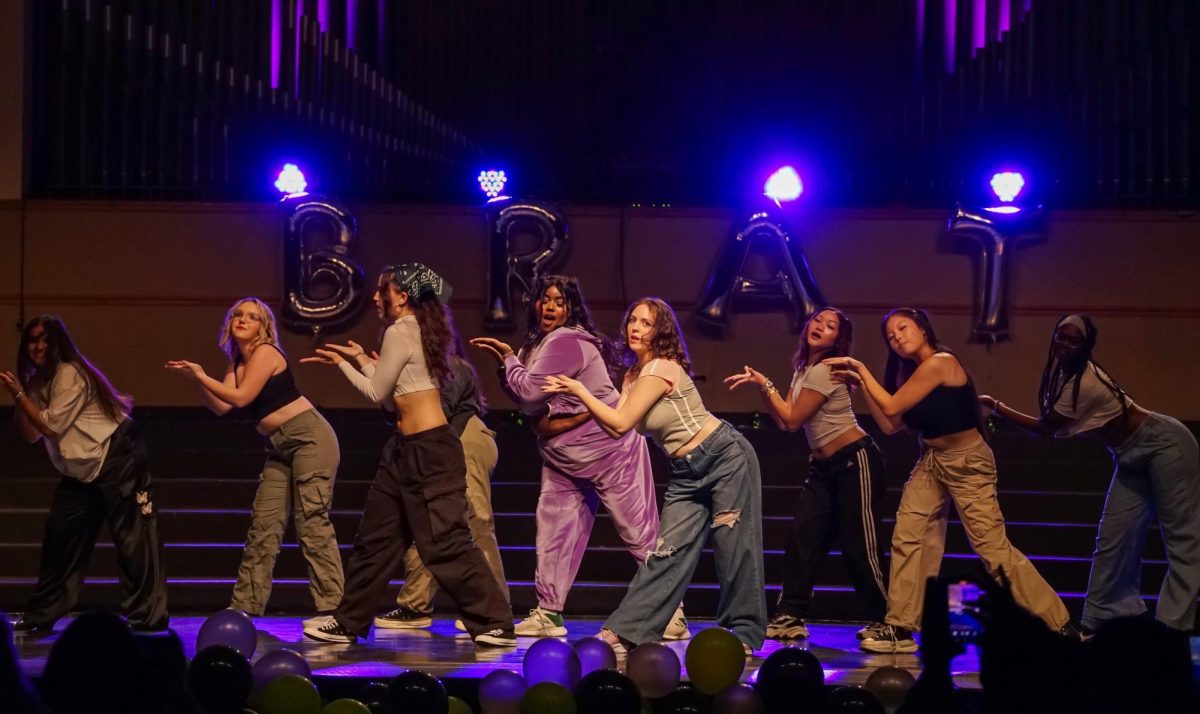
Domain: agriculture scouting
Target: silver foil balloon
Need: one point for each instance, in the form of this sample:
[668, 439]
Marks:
[526, 239]
[323, 283]
[791, 285]
[996, 235]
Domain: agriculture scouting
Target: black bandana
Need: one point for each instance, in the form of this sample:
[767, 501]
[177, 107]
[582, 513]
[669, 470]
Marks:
[420, 282]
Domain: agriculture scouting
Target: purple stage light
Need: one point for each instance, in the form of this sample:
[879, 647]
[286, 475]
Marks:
[1007, 184]
[291, 180]
[491, 182]
[784, 185]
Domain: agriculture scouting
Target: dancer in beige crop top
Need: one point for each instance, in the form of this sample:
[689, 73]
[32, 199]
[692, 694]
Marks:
[401, 367]
[679, 415]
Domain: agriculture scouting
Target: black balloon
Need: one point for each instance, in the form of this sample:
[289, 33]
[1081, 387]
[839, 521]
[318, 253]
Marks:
[607, 691]
[323, 284]
[996, 236]
[219, 678]
[374, 695]
[792, 285]
[525, 240]
[415, 692]
[853, 700]
[790, 679]
[686, 699]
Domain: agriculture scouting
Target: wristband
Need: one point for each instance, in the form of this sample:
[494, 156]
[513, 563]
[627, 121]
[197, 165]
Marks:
[768, 388]
[18, 395]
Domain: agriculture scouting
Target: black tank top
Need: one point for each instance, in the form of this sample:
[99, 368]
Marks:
[945, 410]
[279, 391]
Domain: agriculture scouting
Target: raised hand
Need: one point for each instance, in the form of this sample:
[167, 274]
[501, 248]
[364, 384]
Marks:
[323, 356]
[748, 375]
[350, 350]
[191, 370]
[499, 350]
[9, 380]
[562, 384]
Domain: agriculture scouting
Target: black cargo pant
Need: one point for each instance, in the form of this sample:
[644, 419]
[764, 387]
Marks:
[839, 501]
[121, 495]
[419, 497]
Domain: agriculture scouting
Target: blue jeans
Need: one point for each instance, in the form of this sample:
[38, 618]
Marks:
[1158, 471]
[715, 489]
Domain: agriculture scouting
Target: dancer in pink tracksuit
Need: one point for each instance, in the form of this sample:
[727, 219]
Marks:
[582, 465]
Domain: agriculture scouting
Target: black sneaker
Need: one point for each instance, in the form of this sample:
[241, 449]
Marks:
[29, 627]
[329, 631]
[870, 630]
[890, 639]
[786, 627]
[497, 638]
[403, 619]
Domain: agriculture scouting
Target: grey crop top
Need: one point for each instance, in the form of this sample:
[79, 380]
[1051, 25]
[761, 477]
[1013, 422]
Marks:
[401, 368]
[679, 414]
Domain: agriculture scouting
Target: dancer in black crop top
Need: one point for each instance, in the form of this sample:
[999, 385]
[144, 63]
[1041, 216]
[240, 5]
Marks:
[927, 389]
[302, 457]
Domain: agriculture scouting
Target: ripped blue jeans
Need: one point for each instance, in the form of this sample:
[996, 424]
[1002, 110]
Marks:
[715, 490]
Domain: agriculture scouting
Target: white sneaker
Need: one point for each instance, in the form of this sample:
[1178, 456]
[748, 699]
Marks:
[458, 625]
[677, 628]
[541, 623]
[496, 638]
[315, 620]
[872, 630]
[891, 639]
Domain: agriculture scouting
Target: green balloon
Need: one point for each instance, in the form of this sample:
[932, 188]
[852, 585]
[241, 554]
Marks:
[547, 698]
[457, 706]
[715, 660]
[348, 706]
[289, 694]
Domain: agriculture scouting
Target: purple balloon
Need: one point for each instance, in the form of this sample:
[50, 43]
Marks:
[594, 653]
[737, 699]
[654, 668]
[551, 660]
[231, 628]
[278, 663]
[500, 692]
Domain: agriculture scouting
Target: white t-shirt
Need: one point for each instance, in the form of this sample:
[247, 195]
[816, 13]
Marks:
[401, 368]
[836, 416]
[1096, 406]
[84, 430]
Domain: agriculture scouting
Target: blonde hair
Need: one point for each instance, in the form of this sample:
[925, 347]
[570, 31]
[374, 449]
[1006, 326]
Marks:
[266, 329]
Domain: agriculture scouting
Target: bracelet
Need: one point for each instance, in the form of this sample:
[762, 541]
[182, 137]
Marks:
[768, 388]
[18, 395]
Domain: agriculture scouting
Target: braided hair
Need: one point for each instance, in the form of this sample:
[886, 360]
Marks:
[1058, 375]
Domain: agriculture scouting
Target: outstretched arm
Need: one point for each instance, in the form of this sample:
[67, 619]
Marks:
[29, 422]
[258, 370]
[635, 402]
[1044, 426]
[928, 376]
[788, 414]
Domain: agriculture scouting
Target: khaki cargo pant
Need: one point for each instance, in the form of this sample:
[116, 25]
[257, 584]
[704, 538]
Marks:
[479, 448]
[966, 476]
[302, 461]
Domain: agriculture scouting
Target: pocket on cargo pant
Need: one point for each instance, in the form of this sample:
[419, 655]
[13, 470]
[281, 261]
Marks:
[315, 491]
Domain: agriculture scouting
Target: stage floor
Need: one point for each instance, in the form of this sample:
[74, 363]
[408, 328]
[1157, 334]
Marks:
[445, 652]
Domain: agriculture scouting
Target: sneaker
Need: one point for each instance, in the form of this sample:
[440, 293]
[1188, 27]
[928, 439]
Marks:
[748, 649]
[497, 638]
[613, 641]
[677, 629]
[870, 630]
[889, 639]
[458, 625]
[786, 627]
[403, 619]
[329, 630]
[541, 623]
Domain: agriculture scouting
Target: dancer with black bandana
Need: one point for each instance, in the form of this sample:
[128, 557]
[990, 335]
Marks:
[1157, 473]
[419, 492]
[63, 401]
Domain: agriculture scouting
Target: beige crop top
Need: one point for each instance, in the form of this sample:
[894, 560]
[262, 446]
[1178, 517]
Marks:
[401, 367]
[679, 414]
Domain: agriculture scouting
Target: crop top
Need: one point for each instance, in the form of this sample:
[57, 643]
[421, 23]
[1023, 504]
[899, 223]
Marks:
[1095, 406]
[401, 367]
[679, 414]
[945, 410]
[278, 391]
[836, 416]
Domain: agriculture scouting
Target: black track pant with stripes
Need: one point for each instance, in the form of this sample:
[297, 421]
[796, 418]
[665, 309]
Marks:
[839, 502]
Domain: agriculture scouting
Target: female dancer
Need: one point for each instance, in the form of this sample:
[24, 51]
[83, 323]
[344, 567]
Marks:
[302, 457]
[927, 389]
[463, 405]
[715, 486]
[581, 464]
[418, 495]
[845, 486]
[64, 401]
[1157, 472]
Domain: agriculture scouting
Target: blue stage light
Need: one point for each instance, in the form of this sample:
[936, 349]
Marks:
[291, 180]
[491, 182]
[784, 185]
[1007, 185]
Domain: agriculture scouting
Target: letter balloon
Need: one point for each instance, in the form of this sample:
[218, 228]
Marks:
[526, 239]
[323, 283]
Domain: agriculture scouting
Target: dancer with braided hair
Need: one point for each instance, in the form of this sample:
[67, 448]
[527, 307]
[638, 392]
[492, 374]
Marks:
[1157, 472]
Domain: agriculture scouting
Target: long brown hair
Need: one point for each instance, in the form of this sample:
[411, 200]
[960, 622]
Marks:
[667, 342]
[60, 349]
[434, 322]
[843, 344]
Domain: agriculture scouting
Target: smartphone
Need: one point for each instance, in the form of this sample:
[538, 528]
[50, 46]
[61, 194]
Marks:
[962, 600]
